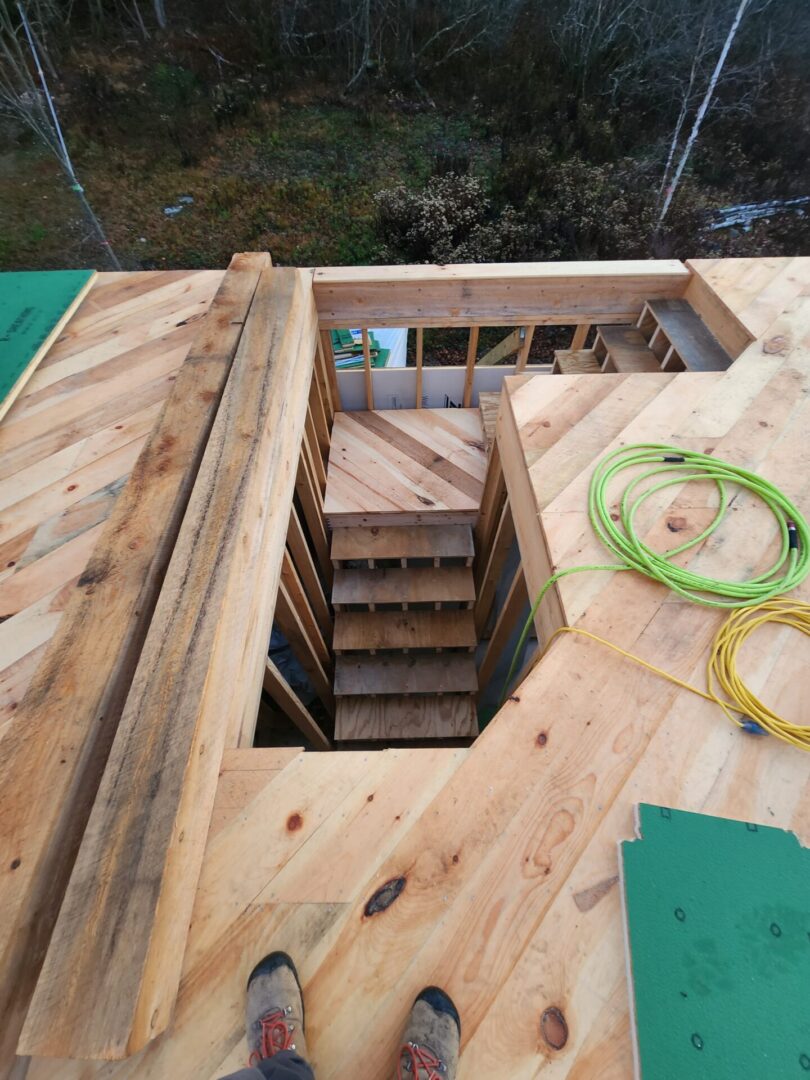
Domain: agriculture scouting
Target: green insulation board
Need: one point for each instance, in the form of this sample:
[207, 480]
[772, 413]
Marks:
[717, 924]
[34, 306]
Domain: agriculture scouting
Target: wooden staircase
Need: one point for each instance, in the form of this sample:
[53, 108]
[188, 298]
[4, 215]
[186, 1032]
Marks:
[404, 632]
[669, 335]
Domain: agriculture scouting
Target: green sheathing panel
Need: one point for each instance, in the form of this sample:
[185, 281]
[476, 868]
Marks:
[717, 918]
[32, 306]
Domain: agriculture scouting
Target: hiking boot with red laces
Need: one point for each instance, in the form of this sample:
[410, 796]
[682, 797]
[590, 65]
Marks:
[275, 1009]
[432, 1037]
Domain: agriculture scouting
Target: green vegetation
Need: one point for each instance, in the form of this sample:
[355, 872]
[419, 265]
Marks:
[439, 131]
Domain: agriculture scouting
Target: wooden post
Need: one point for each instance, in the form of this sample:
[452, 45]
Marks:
[472, 349]
[420, 343]
[580, 337]
[367, 371]
[505, 626]
[293, 707]
[327, 373]
[523, 355]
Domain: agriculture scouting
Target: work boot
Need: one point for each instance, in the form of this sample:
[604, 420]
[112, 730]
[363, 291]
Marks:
[275, 1009]
[432, 1037]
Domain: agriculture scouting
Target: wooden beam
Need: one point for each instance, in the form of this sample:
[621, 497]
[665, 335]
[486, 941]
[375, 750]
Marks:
[492, 500]
[580, 337]
[323, 424]
[505, 627]
[58, 741]
[523, 355]
[367, 370]
[420, 348]
[472, 349]
[300, 601]
[491, 566]
[112, 970]
[313, 452]
[493, 294]
[327, 373]
[293, 707]
[510, 344]
[305, 565]
[292, 627]
[311, 500]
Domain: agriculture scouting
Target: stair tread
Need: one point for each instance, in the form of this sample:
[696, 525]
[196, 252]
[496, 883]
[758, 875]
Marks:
[389, 718]
[575, 362]
[363, 630]
[447, 673]
[402, 542]
[412, 585]
[693, 341]
[628, 350]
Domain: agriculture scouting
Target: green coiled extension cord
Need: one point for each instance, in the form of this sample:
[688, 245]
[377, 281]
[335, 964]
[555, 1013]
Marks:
[672, 466]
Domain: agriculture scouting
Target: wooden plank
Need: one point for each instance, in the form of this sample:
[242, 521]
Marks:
[490, 567]
[449, 673]
[403, 542]
[509, 345]
[313, 452]
[489, 403]
[492, 500]
[580, 337]
[469, 374]
[104, 993]
[403, 630]
[367, 370]
[327, 375]
[405, 467]
[526, 348]
[292, 624]
[420, 349]
[582, 362]
[689, 336]
[493, 294]
[626, 350]
[505, 627]
[303, 608]
[311, 501]
[48, 785]
[323, 424]
[35, 306]
[305, 565]
[451, 716]
[291, 705]
[413, 585]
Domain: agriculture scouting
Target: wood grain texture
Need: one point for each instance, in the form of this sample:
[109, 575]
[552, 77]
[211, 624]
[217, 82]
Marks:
[105, 991]
[402, 542]
[405, 466]
[291, 705]
[493, 294]
[389, 718]
[623, 349]
[403, 630]
[411, 585]
[48, 784]
[692, 341]
[447, 673]
[575, 362]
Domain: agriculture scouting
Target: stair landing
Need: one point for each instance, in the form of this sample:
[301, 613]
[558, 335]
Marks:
[405, 467]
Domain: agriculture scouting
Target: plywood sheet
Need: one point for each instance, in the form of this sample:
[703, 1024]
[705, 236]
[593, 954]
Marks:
[34, 306]
[716, 923]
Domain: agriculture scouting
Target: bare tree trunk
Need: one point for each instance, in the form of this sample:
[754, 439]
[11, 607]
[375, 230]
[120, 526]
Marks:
[365, 27]
[703, 109]
[160, 13]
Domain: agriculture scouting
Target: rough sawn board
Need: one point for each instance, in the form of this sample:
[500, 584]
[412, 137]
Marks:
[717, 920]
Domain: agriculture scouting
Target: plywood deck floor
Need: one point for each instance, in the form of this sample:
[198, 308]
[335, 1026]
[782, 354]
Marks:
[405, 467]
[504, 854]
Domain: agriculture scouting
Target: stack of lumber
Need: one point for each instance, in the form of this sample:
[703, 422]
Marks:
[347, 347]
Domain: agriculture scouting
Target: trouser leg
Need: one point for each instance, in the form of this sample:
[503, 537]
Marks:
[285, 1065]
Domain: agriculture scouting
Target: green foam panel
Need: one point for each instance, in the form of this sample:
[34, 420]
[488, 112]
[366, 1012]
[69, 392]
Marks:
[717, 921]
[31, 305]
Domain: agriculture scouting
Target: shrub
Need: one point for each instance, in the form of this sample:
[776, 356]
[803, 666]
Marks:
[451, 220]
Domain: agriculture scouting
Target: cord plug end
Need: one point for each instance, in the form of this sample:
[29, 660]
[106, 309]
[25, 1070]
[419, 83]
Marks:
[674, 457]
[793, 536]
[752, 727]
